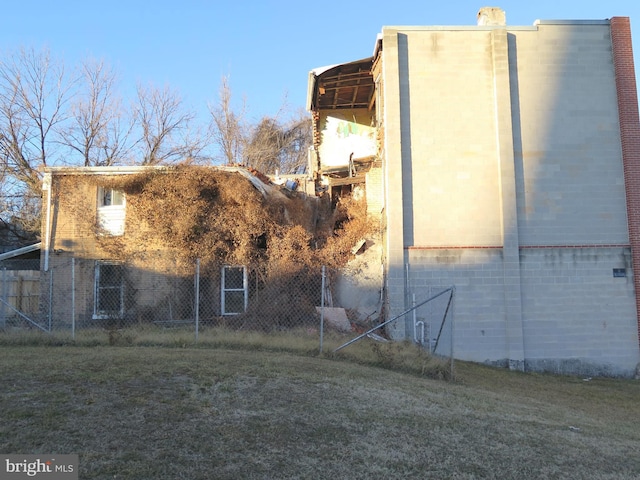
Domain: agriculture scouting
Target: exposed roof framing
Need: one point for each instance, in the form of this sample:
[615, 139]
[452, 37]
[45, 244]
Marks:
[349, 85]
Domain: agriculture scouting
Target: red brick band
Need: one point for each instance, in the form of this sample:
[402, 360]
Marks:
[521, 247]
[629, 136]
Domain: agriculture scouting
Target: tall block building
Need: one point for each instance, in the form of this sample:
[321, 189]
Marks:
[504, 161]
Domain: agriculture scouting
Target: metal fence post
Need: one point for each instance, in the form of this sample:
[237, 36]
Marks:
[49, 313]
[419, 326]
[453, 306]
[73, 298]
[197, 298]
[3, 310]
[322, 310]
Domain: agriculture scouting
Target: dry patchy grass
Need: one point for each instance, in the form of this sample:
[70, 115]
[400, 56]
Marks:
[154, 413]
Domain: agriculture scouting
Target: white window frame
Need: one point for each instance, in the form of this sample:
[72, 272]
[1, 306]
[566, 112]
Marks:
[224, 289]
[98, 288]
[111, 216]
[107, 196]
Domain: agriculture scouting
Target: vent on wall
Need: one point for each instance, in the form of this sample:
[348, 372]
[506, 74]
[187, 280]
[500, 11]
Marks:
[619, 272]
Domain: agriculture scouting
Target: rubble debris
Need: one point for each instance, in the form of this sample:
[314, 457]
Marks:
[358, 247]
[336, 317]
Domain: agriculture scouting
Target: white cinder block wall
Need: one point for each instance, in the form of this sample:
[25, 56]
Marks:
[503, 177]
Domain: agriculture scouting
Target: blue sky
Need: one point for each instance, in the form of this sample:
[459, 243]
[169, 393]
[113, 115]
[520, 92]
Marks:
[266, 47]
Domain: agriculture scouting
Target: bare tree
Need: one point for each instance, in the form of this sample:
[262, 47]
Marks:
[165, 127]
[19, 211]
[19, 217]
[98, 129]
[298, 139]
[117, 146]
[227, 127]
[33, 96]
[274, 146]
[263, 147]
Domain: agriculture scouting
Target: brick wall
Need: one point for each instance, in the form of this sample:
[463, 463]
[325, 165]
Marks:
[629, 133]
[375, 192]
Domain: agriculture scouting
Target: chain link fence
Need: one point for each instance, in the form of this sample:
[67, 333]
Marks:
[148, 302]
[430, 321]
[83, 297]
[167, 302]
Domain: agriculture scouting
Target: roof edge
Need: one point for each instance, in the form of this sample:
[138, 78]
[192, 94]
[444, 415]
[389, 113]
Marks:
[20, 251]
[317, 72]
[106, 170]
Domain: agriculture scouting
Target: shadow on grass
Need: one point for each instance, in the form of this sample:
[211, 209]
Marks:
[404, 357]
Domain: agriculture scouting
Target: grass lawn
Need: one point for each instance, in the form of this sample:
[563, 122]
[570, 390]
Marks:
[216, 413]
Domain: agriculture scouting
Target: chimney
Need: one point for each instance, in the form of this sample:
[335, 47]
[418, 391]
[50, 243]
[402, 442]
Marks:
[493, 16]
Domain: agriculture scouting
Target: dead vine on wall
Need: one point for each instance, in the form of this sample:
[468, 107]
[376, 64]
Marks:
[219, 217]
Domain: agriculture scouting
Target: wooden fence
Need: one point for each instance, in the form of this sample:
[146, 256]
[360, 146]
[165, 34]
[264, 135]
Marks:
[19, 291]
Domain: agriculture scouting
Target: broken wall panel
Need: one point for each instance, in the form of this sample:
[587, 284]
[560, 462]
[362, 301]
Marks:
[345, 135]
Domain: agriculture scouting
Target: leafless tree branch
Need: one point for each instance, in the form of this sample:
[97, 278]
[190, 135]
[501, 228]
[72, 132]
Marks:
[227, 127]
[165, 126]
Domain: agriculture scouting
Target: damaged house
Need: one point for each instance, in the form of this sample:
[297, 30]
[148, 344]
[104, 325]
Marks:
[121, 245]
[504, 161]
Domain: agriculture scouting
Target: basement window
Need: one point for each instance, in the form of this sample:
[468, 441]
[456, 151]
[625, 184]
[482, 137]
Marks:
[111, 211]
[234, 290]
[109, 290]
